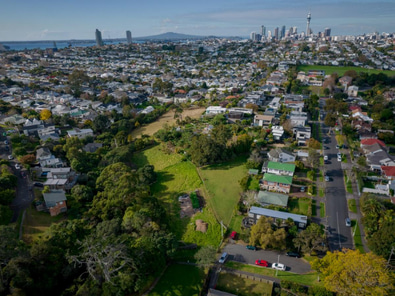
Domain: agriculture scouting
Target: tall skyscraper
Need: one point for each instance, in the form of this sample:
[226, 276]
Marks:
[282, 33]
[99, 40]
[308, 24]
[129, 37]
[276, 33]
[327, 32]
[263, 33]
[252, 36]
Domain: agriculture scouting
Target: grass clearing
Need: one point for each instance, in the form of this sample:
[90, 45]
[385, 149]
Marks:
[222, 185]
[341, 70]
[352, 205]
[322, 209]
[301, 206]
[309, 279]
[179, 280]
[234, 284]
[357, 237]
[156, 157]
[321, 192]
[167, 118]
[36, 223]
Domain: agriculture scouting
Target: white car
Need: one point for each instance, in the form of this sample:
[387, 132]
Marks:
[223, 258]
[10, 157]
[17, 166]
[278, 266]
[325, 157]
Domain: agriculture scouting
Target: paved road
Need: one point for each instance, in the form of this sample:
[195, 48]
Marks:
[239, 253]
[24, 197]
[339, 235]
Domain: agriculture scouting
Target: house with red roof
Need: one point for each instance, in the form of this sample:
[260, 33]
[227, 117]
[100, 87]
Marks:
[388, 172]
[369, 142]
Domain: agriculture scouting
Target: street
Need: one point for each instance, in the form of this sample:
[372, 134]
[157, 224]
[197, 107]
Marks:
[241, 254]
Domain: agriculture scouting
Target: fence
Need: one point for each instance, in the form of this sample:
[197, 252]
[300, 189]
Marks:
[377, 191]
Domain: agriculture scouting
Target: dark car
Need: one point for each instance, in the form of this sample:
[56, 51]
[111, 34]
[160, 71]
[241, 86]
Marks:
[38, 184]
[23, 174]
[293, 254]
[7, 148]
[250, 247]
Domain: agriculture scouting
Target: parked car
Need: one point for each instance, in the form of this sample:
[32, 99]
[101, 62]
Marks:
[261, 263]
[23, 174]
[348, 222]
[223, 258]
[325, 157]
[278, 266]
[7, 148]
[17, 166]
[293, 254]
[250, 247]
[38, 184]
[10, 157]
[233, 235]
[6, 142]
[302, 189]
[337, 147]
[344, 146]
[327, 179]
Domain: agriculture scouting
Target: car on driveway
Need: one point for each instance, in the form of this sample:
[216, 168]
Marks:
[278, 266]
[17, 166]
[38, 184]
[293, 254]
[261, 263]
[223, 258]
[337, 147]
[233, 235]
[250, 247]
[10, 157]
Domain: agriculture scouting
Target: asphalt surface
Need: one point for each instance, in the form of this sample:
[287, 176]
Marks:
[24, 196]
[241, 254]
[339, 235]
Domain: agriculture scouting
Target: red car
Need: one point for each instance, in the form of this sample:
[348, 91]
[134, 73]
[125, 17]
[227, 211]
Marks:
[261, 263]
[233, 235]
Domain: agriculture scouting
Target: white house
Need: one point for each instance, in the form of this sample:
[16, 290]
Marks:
[215, 110]
[80, 133]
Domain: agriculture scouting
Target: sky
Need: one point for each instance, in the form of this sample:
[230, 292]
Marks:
[25, 20]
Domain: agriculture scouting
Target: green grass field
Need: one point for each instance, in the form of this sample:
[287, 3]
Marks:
[301, 206]
[155, 157]
[341, 70]
[309, 279]
[352, 205]
[179, 280]
[322, 209]
[222, 184]
[36, 223]
[357, 237]
[234, 284]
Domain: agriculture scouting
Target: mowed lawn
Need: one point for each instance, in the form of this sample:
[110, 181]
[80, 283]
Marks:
[179, 280]
[36, 223]
[167, 118]
[222, 185]
[234, 284]
[341, 70]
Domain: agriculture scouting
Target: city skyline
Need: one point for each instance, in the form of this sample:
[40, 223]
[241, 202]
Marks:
[24, 20]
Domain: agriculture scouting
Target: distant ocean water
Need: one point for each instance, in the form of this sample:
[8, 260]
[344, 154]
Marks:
[16, 45]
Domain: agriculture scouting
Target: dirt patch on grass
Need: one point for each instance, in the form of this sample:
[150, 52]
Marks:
[168, 118]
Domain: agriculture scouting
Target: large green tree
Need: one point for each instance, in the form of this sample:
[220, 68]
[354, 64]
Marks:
[310, 240]
[265, 234]
[353, 274]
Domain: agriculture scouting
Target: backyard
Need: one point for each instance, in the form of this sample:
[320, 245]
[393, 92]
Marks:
[241, 286]
[179, 280]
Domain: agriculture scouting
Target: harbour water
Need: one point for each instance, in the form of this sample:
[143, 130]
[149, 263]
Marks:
[26, 45]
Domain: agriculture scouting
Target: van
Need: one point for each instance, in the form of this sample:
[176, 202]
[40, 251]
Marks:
[223, 258]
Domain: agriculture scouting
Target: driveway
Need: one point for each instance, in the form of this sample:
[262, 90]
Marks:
[241, 254]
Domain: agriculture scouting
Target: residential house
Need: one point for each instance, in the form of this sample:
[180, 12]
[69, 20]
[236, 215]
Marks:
[47, 160]
[92, 147]
[277, 132]
[266, 198]
[277, 183]
[60, 178]
[281, 155]
[256, 212]
[55, 202]
[302, 134]
[215, 110]
[298, 118]
[48, 132]
[388, 172]
[345, 80]
[352, 91]
[31, 127]
[263, 120]
[148, 110]
[279, 168]
[80, 133]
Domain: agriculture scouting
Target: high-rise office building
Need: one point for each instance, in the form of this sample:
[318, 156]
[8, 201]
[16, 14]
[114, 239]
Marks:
[99, 40]
[129, 37]
[252, 36]
[263, 32]
[282, 33]
[276, 33]
[308, 24]
[327, 32]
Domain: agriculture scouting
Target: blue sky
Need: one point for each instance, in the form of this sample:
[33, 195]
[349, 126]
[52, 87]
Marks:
[22, 20]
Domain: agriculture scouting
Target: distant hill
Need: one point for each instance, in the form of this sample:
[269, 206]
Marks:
[170, 36]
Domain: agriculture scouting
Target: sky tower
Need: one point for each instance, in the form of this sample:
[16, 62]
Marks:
[308, 24]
